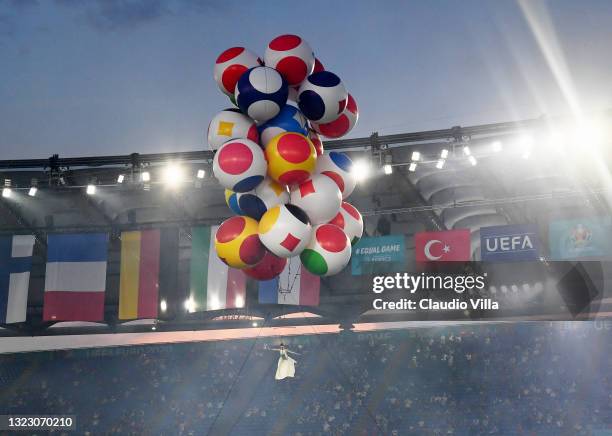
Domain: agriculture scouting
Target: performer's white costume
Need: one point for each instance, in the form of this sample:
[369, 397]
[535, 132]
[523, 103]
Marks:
[286, 366]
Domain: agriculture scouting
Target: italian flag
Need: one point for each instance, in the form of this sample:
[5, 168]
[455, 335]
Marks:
[213, 285]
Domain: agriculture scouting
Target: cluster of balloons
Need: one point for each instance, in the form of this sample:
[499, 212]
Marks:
[287, 193]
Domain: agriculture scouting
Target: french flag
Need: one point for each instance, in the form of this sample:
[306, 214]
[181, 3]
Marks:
[294, 286]
[76, 277]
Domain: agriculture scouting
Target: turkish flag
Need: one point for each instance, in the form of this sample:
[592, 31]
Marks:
[447, 246]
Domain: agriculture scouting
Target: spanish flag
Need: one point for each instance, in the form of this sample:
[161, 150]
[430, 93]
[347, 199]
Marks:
[139, 281]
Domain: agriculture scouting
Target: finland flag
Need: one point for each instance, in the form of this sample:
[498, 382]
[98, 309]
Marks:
[15, 266]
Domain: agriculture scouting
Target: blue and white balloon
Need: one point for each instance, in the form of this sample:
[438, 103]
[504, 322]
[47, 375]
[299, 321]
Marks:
[261, 93]
[322, 97]
[290, 119]
[267, 195]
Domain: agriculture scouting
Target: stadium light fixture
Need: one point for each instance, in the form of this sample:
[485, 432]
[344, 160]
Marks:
[91, 189]
[589, 132]
[7, 191]
[466, 150]
[145, 176]
[472, 160]
[215, 304]
[120, 178]
[361, 170]
[444, 154]
[201, 174]
[173, 175]
[190, 305]
[163, 305]
[412, 167]
[416, 156]
[440, 164]
[497, 146]
[33, 187]
[239, 301]
[254, 324]
[387, 168]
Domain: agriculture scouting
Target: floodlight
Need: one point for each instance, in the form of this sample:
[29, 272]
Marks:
[361, 170]
[444, 154]
[239, 301]
[120, 178]
[416, 156]
[201, 173]
[173, 175]
[145, 176]
[91, 189]
[440, 164]
[388, 169]
[412, 167]
[190, 305]
[472, 160]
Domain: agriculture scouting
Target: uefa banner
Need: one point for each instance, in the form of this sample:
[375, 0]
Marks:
[581, 238]
[382, 254]
[511, 243]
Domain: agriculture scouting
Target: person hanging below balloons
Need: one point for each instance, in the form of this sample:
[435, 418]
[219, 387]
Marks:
[286, 365]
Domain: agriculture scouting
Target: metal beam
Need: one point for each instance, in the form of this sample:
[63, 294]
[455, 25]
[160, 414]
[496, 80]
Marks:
[365, 142]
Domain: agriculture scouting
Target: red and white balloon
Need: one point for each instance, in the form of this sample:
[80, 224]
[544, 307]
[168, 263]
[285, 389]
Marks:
[230, 65]
[319, 197]
[343, 124]
[350, 220]
[291, 56]
[338, 167]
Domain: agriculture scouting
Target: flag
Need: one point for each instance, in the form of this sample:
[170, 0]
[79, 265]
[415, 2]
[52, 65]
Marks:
[509, 243]
[446, 246]
[295, 285]
[75, 279]
[581, 238]
[379, 255]
[15, 267]
[139, 280]
[213, 285]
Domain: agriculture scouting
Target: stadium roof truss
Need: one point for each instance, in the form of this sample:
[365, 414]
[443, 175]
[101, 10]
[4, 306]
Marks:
[463, 177]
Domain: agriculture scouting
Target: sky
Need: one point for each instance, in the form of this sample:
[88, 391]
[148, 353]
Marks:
[98, 77]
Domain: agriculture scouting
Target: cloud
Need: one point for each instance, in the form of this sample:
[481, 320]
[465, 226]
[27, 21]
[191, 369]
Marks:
[7, 26]
[8, 17]
[19, 4]
[108, 15]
